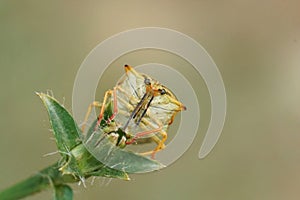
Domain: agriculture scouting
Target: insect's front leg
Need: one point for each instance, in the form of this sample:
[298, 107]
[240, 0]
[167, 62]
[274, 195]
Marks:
[102, 105]
[107, 95]
[92, 105]
[115, 111]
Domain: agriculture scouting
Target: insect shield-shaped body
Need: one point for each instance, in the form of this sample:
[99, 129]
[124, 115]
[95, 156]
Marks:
[138, 107]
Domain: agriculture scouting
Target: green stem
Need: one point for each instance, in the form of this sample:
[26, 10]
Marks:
[47, 177]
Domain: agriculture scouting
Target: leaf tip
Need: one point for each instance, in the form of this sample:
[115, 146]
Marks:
[38, 93]
[41, 95]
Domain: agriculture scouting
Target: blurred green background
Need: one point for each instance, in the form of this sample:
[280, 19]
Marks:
[255, 44]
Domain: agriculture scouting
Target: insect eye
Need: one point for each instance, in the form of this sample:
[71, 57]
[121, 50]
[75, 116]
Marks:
[147, 81]
[162, 91]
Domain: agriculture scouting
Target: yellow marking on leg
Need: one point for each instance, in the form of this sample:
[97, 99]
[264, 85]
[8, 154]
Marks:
[115, 105]
[108, 92]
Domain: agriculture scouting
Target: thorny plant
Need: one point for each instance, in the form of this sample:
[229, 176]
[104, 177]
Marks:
[138, 107]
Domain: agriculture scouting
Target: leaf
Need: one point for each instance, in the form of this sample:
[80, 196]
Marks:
[77, 159]
[63, 192]
[84, 164]
[64, 127]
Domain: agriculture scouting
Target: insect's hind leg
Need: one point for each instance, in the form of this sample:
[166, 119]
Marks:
[159, 141]
[160, 144]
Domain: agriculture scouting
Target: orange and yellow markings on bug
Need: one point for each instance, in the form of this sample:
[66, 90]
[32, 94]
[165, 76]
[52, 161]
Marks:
[141, 107]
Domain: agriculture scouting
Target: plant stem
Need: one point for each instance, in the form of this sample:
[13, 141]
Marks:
[47, 177]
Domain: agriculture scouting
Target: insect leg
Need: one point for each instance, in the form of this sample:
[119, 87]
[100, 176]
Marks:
[94, 104]
[144, 133]
[107, 93]
[160, 144]
[159, 141]
[115, 111]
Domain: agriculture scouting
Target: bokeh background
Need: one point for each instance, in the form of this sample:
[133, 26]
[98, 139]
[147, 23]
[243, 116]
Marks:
[255, 44]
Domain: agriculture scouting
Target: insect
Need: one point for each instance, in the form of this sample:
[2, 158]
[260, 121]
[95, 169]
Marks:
[139, 108]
